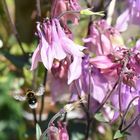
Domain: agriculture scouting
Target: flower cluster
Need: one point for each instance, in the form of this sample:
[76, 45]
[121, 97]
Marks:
[108, 75]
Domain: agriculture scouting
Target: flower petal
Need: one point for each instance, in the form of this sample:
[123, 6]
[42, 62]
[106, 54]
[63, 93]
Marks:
[74, 69]
[35, 58]
[102, 62]
[122, 21]
[56, 44]
[47, 56]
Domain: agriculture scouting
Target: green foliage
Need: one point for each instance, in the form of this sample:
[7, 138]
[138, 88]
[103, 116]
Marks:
[11, 120]
[118, 134]
[99, 117]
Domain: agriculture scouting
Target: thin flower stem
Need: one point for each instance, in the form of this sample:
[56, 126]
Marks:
[131, 123]
[34, 78]
[42, 97]
[100, 38]
[14, 30]
[88, 127]
[88, 115]
[106, 6]
[87, 3]
[38, 9]
[125, 113]
[34, 114]
[120, 104]
[89, 88]
[108, 95]
[86, 110]
[67, 12]
[59, 114]
[82, 104]
[46, 132]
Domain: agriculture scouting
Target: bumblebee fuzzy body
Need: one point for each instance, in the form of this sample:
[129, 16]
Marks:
[32, 100]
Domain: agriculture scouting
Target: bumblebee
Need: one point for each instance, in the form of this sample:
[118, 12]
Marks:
[31, 97]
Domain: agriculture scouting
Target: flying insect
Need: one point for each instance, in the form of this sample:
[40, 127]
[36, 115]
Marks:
[30, 96]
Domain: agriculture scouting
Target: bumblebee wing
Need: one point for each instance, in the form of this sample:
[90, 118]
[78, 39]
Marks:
[19, 97]
[40, 91]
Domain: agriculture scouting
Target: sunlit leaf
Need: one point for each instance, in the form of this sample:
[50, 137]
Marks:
[99, 117]
[88, 12]
[118, 134]
[38, 131]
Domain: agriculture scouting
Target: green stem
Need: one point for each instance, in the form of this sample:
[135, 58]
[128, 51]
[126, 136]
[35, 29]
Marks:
[42, 97]
[14, 30]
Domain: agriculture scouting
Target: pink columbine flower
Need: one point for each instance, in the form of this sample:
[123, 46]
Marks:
[102, 39]
[61, 6]
[123, 62]
[58, 133]
[63, 134]
[130, 15]
[55, 45]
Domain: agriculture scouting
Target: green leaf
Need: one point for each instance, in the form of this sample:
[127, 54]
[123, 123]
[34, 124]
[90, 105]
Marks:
[38, 131]
[118, 134]
[99, 117]
[86, 12]
[90, 13]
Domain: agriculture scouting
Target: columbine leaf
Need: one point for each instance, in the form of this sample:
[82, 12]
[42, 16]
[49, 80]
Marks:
[99, 117]
[86, 12]
[90, 13]
[118, 134]
[38, 131]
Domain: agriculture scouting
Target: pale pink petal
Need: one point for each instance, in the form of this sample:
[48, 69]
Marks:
[71, 48]
[58, 6]
[102, 62]
[86, 40]
[68, 45]
[135, 132]
[138, 45]
[56, 46]
[98, 93]
[122, 21]
[74, 69]
[47, 57]
[35, 58]
[106, 45]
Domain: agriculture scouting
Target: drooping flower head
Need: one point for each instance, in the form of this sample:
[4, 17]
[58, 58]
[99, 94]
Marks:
[54, 44]
[56, 133]
[102, 38]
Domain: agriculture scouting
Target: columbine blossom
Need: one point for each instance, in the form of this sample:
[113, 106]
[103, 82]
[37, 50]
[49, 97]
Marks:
[63, 134]
[112, 61]
[130, 16]
[61, 6]
[102, 38]
[55, 45]
[123, 63]
[57, 133]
